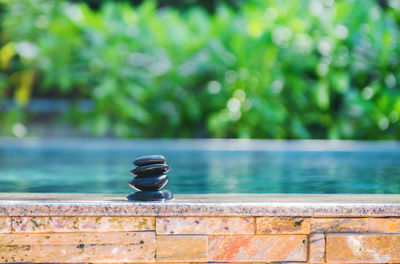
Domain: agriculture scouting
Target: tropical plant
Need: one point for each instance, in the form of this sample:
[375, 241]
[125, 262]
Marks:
[269, 69]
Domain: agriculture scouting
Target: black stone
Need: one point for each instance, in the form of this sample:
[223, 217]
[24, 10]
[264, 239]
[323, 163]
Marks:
[150, 170]
[148, 160]
[150, 196]
[150, 178]
[149, 183]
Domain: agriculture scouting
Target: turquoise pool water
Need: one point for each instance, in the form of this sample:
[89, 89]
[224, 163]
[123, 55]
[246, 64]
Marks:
[95, 166]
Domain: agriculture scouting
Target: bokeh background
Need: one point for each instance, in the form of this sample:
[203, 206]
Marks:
[275, 69]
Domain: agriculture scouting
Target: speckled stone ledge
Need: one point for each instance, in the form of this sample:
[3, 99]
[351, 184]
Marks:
[13, 204]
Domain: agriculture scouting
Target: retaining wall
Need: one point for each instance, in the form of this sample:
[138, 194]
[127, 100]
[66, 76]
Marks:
[218, 229]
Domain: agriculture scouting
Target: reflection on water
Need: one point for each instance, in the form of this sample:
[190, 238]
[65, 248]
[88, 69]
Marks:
[94, 171]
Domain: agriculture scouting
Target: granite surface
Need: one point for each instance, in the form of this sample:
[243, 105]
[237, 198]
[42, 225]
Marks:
[31, 204]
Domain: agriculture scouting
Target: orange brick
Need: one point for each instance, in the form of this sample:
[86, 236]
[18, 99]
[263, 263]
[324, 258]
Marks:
[157, 262]
[181, 248]
[257, 248]
[384, 225]
[109, 238]
[116, 223]
[205, 225]
[5, 225]
[77, 253]
[78, 247]
[231, 226]
[317, 248]
[339, 225]
[342, 248]
[76, 224]
[181, 225]
[283, 225]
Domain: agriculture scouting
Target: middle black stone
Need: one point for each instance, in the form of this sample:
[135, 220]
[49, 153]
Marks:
[150, 170]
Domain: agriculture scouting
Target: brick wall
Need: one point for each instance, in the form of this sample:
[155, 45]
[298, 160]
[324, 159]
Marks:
[73, 239]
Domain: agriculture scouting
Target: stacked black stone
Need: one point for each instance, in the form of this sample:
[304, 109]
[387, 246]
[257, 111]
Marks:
[150, 178]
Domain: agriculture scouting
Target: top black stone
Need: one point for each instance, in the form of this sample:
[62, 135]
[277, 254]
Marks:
[148, 160]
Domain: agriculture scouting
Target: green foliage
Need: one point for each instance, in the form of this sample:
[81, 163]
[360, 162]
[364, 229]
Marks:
[270, 69]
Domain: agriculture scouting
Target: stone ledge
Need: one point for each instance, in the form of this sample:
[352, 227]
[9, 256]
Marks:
[20, 204]
[196, 239]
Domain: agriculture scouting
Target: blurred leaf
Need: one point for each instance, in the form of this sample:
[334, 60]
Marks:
[24, 86]
[322, 94]
[6, 53]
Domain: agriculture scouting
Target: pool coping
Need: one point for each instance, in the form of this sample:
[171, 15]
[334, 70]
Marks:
[305, 205]
[313, 145]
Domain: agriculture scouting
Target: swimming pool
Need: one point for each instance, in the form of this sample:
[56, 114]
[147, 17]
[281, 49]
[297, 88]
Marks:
[202, 166]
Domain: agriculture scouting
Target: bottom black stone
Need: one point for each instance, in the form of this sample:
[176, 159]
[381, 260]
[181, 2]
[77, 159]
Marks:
[150, 196]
